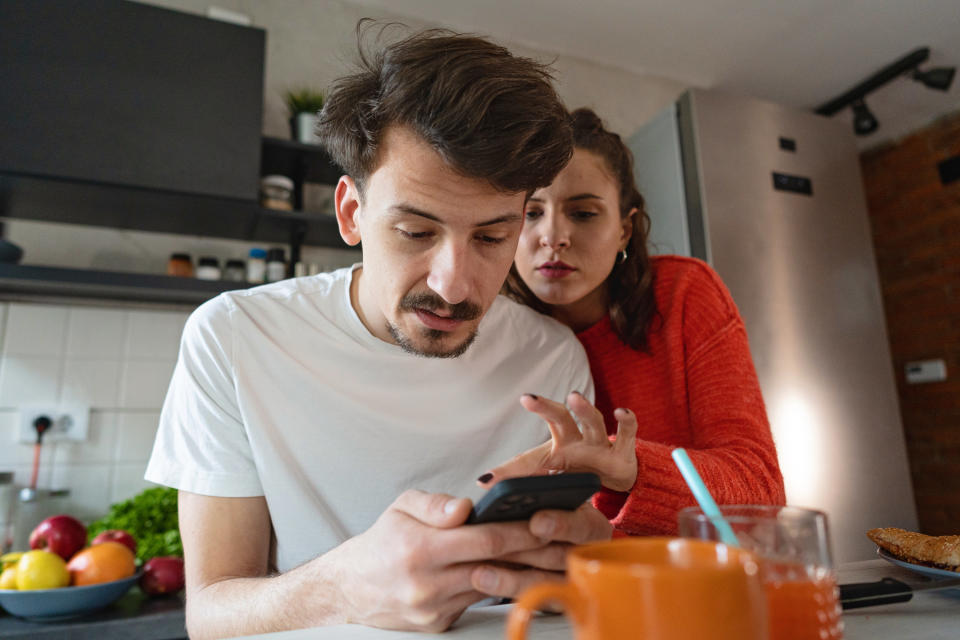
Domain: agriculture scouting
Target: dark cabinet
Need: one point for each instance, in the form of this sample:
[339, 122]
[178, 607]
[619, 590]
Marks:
[131, 116]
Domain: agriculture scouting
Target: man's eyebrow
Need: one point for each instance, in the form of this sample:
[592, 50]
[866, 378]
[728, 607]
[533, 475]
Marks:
[579, 196]
[413, 211]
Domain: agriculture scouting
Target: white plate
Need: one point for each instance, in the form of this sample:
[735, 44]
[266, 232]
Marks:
[918, 568]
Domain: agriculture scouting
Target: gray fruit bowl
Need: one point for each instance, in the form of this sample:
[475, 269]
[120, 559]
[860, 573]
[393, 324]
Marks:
[66, 602]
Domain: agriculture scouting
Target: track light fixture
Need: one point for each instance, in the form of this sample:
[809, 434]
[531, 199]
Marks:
[940, 78]
[864, 122]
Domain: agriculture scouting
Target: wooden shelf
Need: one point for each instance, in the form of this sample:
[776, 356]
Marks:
[30, 282]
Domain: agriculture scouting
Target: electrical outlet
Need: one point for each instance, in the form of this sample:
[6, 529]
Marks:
[69, 423]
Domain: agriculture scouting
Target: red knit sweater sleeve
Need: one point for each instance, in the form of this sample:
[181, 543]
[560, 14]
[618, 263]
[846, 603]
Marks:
[724, 429]
[732, 447]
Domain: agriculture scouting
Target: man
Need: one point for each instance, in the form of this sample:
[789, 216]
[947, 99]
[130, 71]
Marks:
[320, 427]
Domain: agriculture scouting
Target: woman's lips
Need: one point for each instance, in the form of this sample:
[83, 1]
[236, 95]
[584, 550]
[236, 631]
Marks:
[434, 321]
[555, 270]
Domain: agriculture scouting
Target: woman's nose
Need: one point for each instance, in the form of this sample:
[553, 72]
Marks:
[554, 236]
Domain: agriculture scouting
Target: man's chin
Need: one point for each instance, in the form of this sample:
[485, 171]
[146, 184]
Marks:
[432, 343]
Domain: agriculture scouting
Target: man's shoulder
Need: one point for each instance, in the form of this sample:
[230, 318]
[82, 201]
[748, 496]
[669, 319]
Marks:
[531, 329]
[319, 293]
[292, 292]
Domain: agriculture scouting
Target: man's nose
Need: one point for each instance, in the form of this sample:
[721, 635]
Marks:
[452, 272]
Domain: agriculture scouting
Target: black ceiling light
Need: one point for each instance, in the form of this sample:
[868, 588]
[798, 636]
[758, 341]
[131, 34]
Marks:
[864, 122]
[940, 78]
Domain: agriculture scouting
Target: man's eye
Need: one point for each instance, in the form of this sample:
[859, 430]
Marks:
[490, 239]
[414, 235]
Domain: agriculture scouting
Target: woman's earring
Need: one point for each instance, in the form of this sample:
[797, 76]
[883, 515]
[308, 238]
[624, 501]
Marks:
[623, 256]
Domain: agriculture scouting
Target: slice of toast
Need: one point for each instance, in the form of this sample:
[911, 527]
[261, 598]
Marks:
[941, 552]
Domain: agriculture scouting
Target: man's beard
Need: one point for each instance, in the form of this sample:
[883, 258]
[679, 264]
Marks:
[436, 338]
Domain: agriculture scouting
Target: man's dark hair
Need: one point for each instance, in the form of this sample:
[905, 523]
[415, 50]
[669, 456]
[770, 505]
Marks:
[489, 114]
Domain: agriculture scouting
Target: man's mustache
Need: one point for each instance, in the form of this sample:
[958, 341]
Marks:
[461, 311]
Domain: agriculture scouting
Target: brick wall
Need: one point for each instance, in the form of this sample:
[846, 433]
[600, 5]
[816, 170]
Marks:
[916, 232]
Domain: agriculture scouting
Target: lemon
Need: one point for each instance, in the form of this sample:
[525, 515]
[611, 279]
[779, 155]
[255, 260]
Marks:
[40, 569]
[10, 559]
[8, 579]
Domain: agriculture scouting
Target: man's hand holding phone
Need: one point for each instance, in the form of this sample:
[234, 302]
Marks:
[417, 568]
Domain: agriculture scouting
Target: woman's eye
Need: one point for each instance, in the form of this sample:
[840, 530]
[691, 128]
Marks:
[583, 215]
[532, 214]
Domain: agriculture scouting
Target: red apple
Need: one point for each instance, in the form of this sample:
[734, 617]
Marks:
[62, 535]
[116, 535]
[163, 574]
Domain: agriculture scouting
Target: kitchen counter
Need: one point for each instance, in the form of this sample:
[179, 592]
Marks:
[928, 616]
[132, 616]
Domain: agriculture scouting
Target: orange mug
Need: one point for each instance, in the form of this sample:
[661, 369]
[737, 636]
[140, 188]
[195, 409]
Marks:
[655, 589]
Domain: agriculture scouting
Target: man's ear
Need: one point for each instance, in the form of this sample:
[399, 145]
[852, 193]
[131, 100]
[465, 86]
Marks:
[347, 201]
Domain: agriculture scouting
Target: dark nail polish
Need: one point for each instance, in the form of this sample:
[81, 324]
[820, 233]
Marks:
[530, 395]
[485, 478]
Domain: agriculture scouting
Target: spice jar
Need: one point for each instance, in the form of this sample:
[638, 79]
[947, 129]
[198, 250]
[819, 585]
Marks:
[180, 265]
[208, 268]
[276, 265]
[257, 266]
[276, 192]
[235, 271]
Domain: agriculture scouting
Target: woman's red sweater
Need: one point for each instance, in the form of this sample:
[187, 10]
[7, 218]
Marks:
[697, 389]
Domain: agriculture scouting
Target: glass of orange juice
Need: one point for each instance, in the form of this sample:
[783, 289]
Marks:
[798, 572]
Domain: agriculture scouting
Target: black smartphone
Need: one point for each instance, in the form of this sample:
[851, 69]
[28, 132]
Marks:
[520, 498]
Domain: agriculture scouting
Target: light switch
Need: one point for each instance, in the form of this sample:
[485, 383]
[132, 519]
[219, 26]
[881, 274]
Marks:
[926, 371]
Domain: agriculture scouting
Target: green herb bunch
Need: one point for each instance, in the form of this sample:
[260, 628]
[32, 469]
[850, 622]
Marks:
[151, 518]
[303, 101]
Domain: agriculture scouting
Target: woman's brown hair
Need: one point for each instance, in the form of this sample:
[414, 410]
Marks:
[632, 306]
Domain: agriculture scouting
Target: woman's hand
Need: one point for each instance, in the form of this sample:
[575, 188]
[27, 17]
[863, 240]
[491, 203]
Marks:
[574, 449]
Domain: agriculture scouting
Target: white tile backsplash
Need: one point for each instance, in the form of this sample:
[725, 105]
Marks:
[135, 435]
[117, 361]
[144, 383]
[128, 481]
[154, 334]
[12, 451]
[99, 446]
[91, 382]
[96, 333]
[35, 330]
[29, 380]
[90, 489]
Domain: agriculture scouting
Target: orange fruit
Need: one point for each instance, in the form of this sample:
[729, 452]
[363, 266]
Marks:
[102, 562]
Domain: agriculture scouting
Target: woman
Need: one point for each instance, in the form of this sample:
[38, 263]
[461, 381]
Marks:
[663, 337]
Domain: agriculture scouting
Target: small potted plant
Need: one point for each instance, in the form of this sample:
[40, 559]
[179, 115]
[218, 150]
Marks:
[304, 105]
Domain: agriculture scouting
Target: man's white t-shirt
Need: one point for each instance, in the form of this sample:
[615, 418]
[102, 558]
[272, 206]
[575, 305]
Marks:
[280, 391]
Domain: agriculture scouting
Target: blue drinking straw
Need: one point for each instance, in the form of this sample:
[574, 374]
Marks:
[704, 499]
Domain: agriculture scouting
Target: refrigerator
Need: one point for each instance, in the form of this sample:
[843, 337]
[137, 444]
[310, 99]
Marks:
[772, 199]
